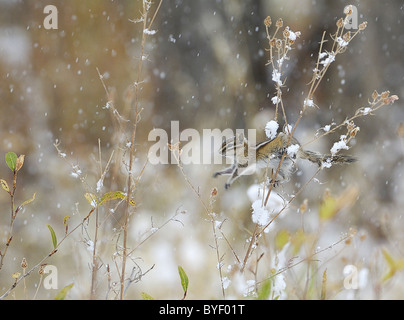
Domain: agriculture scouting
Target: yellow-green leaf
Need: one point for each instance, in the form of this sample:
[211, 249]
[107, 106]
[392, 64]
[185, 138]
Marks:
[4, 185]
[324, 286]
[113, 195]
[65, 223]
[298, 239]
[184, 279]
[328, 207]
[62, 293]
[282, 238]
[65, 220]
[28, 201]
[132, 202]
[53, 235]
[11, 160]
[395, 265]
[16, 275]
[265, 290]
[92, 199]
[331, 205]
[146, 296]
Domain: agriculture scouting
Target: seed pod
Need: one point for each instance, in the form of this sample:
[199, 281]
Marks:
[279, 23]
[363, 26]
[268, 21]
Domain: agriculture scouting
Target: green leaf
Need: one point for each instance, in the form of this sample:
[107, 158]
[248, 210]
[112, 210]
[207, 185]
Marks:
[265, 290]
[62, 293]
[184, 279]
[11, 160]
[146, 296]
[4, 185]
[53, 235]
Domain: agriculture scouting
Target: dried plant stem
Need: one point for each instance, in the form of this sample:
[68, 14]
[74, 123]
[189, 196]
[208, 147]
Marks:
[37, 288]
[13, 216]
[282, 47]
[259, 230]
[176, 151]
[94, 265]
[374, 105]
[136, 119]
[154, 232]
[40, 263]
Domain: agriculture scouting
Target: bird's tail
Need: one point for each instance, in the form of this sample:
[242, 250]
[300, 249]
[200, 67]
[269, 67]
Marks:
[320, 159]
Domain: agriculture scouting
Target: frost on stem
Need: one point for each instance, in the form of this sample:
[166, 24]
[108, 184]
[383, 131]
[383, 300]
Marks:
[342, 144]
[275, 100]
[341, 42]
[328, 58]
[279, 284]
[271, 129]
[309, 103]
[276, 77]
[262, 215]
[100, 184]
[149, 32]
[76, 171]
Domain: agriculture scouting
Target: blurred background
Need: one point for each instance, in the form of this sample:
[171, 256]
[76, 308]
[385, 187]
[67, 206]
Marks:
[206, 68]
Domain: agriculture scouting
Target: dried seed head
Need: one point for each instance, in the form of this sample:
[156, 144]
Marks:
[303, 206]
[41, 270]
[278, 43]
[347, 36]
[340, 23]
[286, 33]
[385, 94]
[353, 232]
[279, 23]
[375, 95]
[173, 147]
[24, 263]
[272, 43]
[390, 100]
[268, 21]
[214, 192]
[326, 194]
[350, 126]
[354, 132]
[348, 10]
[363, 26]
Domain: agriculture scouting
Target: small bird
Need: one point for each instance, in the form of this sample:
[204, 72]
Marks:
[269, 154]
